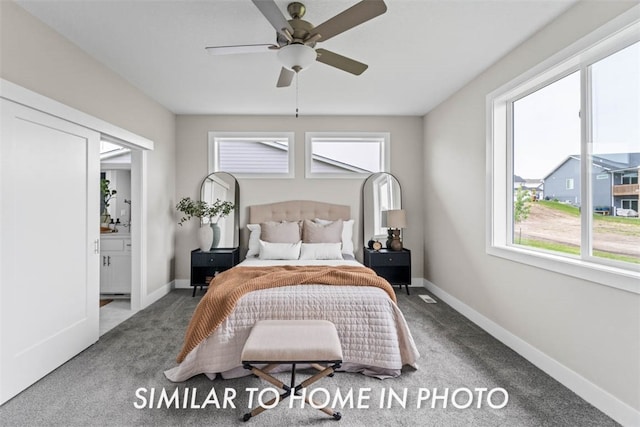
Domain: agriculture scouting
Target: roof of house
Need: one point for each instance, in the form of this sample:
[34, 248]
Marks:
[614, 162]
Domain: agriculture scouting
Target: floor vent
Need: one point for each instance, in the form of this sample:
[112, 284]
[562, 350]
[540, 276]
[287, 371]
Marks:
[427, 299]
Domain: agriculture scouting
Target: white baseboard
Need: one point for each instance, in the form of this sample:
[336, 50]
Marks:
[156, 295]
[182, 284]
[595, 395]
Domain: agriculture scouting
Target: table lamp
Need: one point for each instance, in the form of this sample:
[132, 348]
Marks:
[394, 220]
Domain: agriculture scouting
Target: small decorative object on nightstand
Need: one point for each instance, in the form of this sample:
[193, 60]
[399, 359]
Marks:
[395, 220]
[395, 266]
[206, 264]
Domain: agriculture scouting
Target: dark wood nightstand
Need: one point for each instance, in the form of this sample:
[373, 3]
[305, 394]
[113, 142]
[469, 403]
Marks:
[205, 265]
[395, 266]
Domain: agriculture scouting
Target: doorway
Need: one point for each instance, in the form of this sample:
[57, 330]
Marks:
[62, 309]
[115, 235]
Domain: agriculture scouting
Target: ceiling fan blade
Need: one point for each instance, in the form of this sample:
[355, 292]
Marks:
[355, 15]
[286, 77]
[341, 62]
[243, 48]
[275, 17]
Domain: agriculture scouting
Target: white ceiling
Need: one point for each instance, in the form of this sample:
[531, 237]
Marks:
[418, 52]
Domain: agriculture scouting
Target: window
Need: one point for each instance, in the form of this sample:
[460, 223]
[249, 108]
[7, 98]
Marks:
[572, 124]
[630, 179]
[346, 154]
[630, 204]
[569, 185]
[252, 154]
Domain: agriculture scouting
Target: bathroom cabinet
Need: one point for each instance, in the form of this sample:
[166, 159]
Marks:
[115, 264]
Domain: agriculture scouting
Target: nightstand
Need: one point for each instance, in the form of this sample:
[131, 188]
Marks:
[206, 264]
[395, 266]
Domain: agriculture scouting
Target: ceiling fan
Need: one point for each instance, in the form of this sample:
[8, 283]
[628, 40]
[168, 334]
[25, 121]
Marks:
[297, 38]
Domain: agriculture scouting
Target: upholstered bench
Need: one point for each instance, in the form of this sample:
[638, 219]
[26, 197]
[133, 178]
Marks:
[278, 342]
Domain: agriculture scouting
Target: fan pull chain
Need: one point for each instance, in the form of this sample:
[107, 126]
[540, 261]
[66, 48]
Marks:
[296, 95]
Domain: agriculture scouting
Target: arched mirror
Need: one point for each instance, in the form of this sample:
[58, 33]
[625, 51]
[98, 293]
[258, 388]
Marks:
[224, 187]
[381, 192]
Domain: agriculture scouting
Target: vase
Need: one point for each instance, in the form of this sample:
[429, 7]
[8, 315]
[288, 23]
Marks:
[205, 237]
[393, 242]
[105, 218]
[216, 235]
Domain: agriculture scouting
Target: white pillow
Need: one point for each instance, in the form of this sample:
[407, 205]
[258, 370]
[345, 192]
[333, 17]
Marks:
[347, 234]
[254, 240]
[279, 250]
[321, 251]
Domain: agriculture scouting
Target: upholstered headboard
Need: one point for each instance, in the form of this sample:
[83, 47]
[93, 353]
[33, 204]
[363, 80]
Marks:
[295, 210]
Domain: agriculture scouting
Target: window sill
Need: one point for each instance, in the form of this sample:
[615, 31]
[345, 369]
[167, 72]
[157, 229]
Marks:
[613, 277]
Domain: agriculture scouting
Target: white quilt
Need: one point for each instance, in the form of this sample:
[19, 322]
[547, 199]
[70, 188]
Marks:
[374, 335]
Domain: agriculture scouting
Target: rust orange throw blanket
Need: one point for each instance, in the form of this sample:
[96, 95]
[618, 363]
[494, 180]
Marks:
[227, 288]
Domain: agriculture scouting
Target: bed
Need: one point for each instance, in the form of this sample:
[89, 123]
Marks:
[374, 334]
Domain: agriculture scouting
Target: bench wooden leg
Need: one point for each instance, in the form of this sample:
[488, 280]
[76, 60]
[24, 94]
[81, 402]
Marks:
[288, 390]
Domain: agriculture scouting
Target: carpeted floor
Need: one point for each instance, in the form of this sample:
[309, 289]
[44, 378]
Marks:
[103, 385]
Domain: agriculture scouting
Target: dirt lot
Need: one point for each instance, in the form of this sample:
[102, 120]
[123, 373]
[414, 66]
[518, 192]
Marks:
[545, 223]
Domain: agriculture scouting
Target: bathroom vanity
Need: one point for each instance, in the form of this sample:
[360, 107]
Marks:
[115, 264]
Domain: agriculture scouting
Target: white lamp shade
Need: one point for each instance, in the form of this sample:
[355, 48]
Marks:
[395, 218]
[296, 56]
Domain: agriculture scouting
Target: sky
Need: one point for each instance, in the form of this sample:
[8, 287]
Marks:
[547, 122]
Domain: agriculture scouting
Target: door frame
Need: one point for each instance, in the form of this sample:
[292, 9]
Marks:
[139, 172]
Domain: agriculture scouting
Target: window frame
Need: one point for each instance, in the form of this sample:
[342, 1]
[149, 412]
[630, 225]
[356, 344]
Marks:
[363, 137]
[214, 136]
[611, 37]
[570, 184]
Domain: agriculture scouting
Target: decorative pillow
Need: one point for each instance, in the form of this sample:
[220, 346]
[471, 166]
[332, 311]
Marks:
[254, 240]
[321, 251]
[312, 232]
[279, 250]
[280, 232]
[347, 234]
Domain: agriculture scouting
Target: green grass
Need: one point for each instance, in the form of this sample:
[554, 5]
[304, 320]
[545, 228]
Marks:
[562, 207]
[616, 257]
[573, 250]
[549, 246]
[574, 211]
[617, 219]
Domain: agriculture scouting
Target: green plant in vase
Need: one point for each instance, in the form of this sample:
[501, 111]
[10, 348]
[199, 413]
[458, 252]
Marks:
[107, 194]
[211, 212]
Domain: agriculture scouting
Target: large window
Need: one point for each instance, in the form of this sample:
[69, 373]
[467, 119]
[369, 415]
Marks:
[252, 154]
[346, 154]
[569, 131]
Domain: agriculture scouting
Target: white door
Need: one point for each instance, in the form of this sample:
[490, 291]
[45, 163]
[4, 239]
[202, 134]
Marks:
[49, 231]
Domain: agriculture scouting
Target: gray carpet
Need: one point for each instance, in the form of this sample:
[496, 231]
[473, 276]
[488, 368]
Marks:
[98, 387]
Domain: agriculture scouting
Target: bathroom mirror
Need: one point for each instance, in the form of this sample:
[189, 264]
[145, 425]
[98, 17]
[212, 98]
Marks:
[119, 209]
[223, 186]
[380, 192]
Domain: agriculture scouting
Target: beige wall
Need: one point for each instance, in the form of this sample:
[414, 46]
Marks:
[591, 329]
[39, 59]
[406, 165]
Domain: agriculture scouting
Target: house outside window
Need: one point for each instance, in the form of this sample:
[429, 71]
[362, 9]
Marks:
[252, 154]
[346, 154]
[571, 122]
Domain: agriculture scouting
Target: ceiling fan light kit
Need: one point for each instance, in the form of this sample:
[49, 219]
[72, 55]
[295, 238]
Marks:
[296, 57]
[296, 38]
